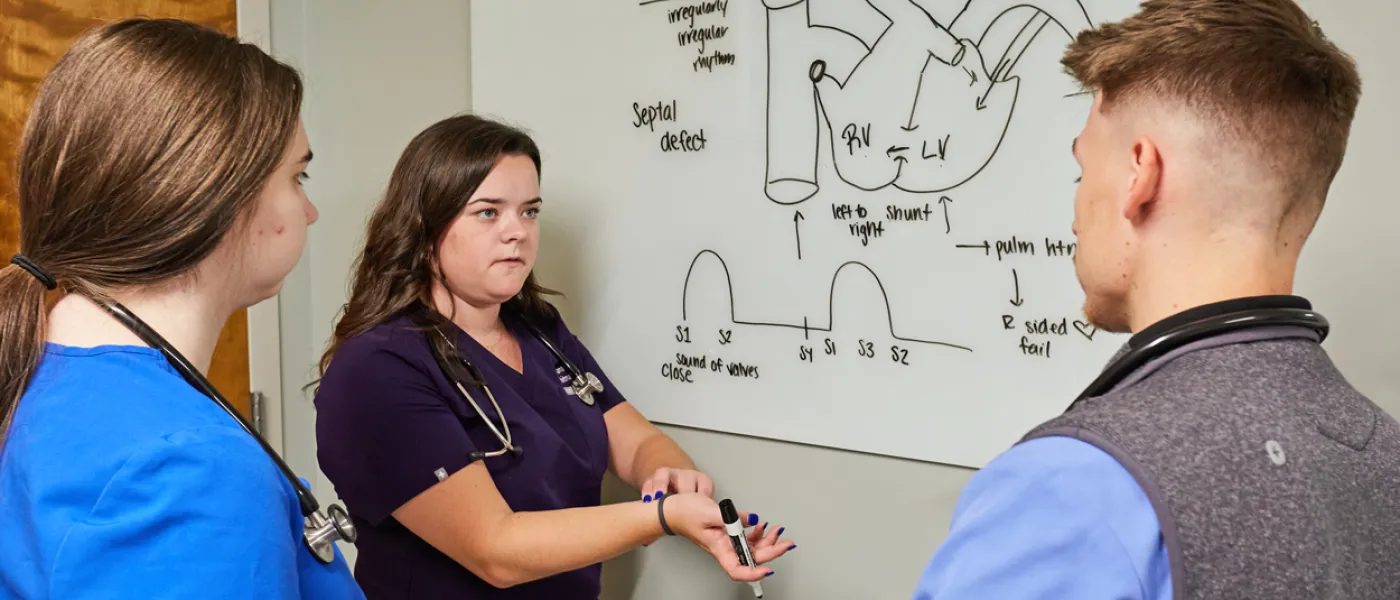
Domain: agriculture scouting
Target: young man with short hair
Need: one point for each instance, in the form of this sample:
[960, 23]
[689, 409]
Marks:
[1238, 465]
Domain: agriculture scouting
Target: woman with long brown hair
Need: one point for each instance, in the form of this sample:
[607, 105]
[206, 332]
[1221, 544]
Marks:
[466, 428]
[159, 185]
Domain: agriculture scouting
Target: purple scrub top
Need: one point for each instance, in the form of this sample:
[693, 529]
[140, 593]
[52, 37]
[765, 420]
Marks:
[389, 425]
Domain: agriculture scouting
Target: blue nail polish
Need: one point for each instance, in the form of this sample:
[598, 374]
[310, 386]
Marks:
[660, 494]
[753, 519]
[794, 547]
[646, 498]
[781, 530]
[770, 574]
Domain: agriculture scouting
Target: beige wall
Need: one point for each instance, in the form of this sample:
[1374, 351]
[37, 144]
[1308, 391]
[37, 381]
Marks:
[377, 72]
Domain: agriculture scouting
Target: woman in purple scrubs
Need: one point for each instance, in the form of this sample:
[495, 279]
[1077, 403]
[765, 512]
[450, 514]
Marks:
[447, 262]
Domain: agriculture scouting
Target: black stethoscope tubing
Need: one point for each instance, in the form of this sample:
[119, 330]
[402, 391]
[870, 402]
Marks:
[318, 527]
[574, 372]
[583, 385]
[1196, 330]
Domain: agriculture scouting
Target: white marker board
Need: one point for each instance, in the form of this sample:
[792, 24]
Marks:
[833, 222]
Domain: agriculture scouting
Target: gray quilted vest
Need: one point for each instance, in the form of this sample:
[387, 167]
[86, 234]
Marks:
[1270, 476]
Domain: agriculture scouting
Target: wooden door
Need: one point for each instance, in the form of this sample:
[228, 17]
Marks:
[33, 34]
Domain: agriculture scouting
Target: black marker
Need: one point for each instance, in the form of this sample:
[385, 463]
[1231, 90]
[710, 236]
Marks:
[740, 541]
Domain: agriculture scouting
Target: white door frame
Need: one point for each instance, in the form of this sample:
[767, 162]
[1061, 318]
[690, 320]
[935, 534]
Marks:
[264, 322]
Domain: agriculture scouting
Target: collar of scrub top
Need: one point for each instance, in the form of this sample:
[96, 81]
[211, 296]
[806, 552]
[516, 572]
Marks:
[584, 385]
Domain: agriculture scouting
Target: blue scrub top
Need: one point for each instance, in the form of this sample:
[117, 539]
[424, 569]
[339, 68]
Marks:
[119, 480]
[389, 425]
[1053, 517]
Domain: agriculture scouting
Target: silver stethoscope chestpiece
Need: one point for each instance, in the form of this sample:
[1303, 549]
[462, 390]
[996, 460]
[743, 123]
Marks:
[322, 533]
[587, 388]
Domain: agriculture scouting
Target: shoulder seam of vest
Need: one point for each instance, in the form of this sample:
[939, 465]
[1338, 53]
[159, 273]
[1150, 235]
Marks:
[1165, 521]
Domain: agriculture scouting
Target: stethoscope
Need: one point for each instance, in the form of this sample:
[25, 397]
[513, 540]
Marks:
[581, 384]
[322, 531]
[1187, 333]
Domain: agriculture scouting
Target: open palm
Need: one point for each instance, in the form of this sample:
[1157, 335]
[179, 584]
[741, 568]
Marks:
[764, 544]
[697, 517]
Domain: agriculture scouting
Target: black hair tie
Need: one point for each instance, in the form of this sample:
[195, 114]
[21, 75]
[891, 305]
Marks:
[34, 269]
[661, 514]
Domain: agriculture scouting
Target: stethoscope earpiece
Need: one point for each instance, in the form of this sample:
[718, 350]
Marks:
[514, 450]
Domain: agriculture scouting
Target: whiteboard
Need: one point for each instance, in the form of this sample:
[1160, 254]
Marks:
[831, 222]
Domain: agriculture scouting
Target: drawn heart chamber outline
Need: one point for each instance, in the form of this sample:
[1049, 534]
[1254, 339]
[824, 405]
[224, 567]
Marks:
[917, 107]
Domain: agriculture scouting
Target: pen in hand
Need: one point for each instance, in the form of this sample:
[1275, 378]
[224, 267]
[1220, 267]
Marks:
[740, 541]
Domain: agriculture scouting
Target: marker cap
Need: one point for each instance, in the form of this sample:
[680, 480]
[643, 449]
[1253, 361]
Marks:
[728, 512]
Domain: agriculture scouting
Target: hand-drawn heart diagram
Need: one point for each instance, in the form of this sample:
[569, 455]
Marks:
[904, 99]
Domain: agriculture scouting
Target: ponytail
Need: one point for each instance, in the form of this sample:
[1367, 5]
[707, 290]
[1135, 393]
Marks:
[23, 328]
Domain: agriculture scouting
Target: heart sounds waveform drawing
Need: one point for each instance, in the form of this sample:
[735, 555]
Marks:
[805, 326]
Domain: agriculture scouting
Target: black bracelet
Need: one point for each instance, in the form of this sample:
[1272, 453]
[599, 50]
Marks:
[661, 514]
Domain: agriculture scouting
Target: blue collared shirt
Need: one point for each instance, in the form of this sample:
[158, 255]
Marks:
[1052, 517]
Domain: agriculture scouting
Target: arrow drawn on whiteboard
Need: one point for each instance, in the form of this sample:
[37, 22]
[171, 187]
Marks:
[1017, 281]
[797, 218]
[985, 246]
[995, 79]
[947, 225]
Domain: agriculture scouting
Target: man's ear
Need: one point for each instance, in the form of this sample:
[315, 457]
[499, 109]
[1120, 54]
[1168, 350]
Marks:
[1146, 172]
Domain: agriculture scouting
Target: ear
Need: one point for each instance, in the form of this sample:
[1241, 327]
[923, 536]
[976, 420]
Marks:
[1146, 170]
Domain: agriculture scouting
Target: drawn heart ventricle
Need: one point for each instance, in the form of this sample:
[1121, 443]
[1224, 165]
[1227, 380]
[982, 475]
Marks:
[956, 129]
[925, 108]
